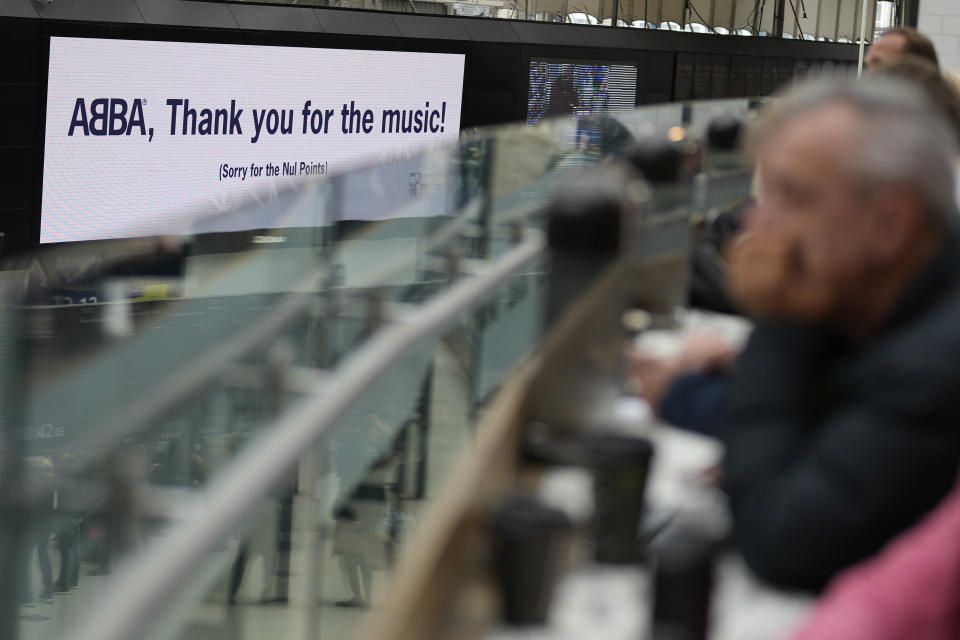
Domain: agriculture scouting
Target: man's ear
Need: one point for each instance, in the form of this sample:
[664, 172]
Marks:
[897, 217]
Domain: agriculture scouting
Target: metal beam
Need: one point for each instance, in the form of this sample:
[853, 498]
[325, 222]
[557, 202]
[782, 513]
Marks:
[816, 30]
[855, 28]
[911, 13]
[779, 10]
[836, 25]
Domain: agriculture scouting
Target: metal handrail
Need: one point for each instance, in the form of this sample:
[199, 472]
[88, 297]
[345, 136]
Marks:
[131, 602]
[175, 388]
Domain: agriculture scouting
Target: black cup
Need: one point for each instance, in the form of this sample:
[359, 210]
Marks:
[683, 581]
[620, 464]
[529, 542]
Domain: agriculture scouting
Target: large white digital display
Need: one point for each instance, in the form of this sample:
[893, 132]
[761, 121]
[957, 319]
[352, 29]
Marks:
[142, 135]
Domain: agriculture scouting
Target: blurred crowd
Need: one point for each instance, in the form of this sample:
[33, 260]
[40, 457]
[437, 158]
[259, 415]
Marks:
[59, 521]
[84, 512]
[841, 415]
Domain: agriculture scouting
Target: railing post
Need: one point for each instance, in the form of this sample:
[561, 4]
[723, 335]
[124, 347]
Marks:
[14, 505]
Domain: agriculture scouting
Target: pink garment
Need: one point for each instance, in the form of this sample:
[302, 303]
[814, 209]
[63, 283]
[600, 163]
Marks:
[908, 591]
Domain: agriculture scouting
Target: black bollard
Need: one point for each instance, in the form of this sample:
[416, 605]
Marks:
[620, 466]
[683, 581]
[583, 231]
[658, 160]
[723, 133]
[529, 542]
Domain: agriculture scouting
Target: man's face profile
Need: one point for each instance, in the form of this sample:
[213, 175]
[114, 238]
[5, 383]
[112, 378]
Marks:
[809, 208]
[886, 47]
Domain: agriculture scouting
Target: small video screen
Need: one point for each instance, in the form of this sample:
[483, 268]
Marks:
[559, 88]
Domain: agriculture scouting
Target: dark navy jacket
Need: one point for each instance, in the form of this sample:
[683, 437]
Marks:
[833, 448]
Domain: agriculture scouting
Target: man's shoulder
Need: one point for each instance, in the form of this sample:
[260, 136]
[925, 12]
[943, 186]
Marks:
[918, 363]
[932, 331]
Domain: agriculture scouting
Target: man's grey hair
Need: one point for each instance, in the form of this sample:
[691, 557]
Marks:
[900, 138]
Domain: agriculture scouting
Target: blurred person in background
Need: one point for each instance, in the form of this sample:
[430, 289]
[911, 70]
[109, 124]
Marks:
[907, 42]
[941, 93]
[564, 97]
[841, 418]
[899, 42]
[70, 513]
[41, 489]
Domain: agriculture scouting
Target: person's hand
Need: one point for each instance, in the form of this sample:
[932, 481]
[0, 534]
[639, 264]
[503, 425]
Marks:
[703, 351]
[770, 277]
[652, 376]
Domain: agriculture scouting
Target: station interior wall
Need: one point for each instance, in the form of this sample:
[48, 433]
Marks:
[940, 19]
[671, 65]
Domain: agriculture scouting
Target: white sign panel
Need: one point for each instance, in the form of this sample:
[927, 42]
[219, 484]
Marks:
[143, 135]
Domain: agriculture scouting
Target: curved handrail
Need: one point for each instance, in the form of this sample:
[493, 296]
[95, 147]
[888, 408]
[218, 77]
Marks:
[176, 387]
[131, 602]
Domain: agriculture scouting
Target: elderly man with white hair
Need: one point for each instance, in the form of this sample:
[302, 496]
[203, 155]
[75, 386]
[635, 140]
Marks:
[841, 417]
